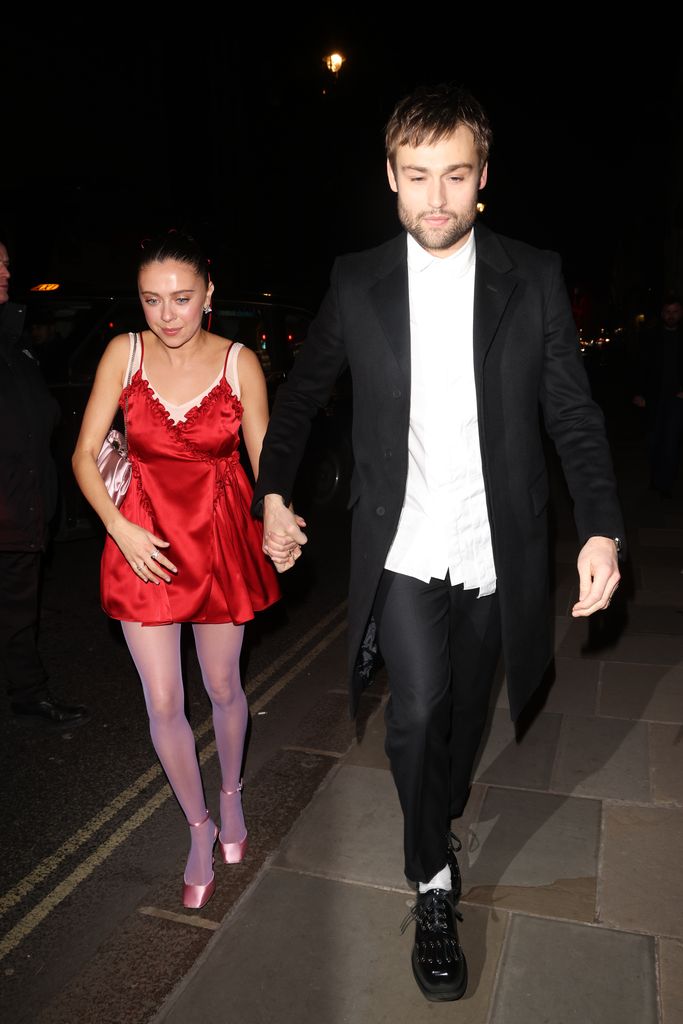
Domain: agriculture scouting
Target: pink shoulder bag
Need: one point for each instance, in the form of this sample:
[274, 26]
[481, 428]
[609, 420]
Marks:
[112, 461]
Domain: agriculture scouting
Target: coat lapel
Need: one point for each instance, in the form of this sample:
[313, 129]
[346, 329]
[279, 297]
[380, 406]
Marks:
[389, 295]
[493, 286]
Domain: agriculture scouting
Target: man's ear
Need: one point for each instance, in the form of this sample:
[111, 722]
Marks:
[483, 177]
[392, 177]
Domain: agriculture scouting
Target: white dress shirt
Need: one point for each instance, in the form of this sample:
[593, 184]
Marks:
[444, 526]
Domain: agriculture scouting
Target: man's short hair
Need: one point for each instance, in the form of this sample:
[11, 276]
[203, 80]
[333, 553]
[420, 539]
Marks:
[431, 113]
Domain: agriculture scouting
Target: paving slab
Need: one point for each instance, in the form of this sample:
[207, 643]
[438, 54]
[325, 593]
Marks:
[666, 763]
[671, 980]
[563, 973]
[604, 757]
[574, 690]
[641, 884]
[528, 764]
[352, 831]
[369, 751]
[648, 692]
[302, 950]
[644, 649]
[662, 618]
[534, 852]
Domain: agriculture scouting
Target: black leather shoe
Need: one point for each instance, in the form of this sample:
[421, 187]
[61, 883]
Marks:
[51, 710]
[439, 963]
[454, 846]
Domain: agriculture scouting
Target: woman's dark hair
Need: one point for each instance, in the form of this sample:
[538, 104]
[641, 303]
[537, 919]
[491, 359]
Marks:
[175, 245]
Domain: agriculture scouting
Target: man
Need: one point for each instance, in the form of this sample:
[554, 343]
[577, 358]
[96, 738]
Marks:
[28, 498]
[660, 380]
[453, 336]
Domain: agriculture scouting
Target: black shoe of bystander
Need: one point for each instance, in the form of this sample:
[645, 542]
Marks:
[49, 709]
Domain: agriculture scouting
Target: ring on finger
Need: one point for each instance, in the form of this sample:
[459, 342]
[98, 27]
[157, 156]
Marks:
[154, 554]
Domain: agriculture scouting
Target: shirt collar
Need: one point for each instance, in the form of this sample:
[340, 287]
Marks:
[459, 262]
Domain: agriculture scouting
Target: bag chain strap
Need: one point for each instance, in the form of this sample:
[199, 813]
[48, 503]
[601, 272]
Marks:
[125, 411]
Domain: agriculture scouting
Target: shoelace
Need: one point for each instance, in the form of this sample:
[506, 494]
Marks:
[430, 912]
[454, 843]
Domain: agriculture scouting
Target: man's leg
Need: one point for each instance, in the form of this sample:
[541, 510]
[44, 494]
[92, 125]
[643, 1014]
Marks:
[419, 625]
[475, 644]
[20, 661]
[413, 631]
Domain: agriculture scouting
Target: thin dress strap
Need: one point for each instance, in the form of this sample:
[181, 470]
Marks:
[225, 364]
[133, 361]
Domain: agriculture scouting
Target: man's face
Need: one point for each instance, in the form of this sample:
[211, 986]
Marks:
[437, 187]
[4, 274]
[672, 314]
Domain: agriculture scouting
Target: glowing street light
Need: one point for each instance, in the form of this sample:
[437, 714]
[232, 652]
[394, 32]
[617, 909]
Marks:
[333, 63]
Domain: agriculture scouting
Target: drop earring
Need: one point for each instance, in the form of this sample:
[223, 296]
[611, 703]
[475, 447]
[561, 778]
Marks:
[206, 309]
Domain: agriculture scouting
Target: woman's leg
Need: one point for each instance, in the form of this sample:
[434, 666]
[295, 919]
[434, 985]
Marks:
[218, 649]
[156, 653]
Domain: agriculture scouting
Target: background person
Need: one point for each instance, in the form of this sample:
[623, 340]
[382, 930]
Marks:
[28, 501]
[453, 335]
[183, 547]
[660, 394]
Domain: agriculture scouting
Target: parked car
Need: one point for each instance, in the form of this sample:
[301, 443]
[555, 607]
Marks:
[69, 330]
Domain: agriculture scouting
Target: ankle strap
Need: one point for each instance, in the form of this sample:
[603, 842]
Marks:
[196, 824]
[231, 792]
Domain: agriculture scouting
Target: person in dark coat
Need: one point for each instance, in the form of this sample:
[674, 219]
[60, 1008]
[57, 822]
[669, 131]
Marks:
[660, 393]
[28, 500]
[454, 337]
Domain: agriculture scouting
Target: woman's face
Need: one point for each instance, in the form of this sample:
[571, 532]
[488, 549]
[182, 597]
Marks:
[173, 296]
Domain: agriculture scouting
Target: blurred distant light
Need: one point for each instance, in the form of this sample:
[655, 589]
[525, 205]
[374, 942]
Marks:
[640, 318]
[46, 287]
[481, 207]
[333, 62]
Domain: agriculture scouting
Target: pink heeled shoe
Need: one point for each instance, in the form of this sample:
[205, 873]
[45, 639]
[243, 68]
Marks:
[196, 896]
[232, 853]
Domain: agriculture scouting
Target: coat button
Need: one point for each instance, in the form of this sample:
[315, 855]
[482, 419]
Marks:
[396, 393]
[387, 453]
[380, 510]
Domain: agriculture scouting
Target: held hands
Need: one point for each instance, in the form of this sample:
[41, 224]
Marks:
[282, 533]
[598, 575]
[140, 548]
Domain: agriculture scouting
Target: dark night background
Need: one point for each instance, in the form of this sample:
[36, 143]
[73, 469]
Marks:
[237, 131]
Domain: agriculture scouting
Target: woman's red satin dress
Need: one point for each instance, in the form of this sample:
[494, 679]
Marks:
[188, 487]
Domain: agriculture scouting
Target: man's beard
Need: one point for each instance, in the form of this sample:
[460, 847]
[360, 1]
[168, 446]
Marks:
[458, 226]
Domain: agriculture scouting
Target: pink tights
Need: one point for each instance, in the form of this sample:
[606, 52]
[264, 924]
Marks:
[156, 653]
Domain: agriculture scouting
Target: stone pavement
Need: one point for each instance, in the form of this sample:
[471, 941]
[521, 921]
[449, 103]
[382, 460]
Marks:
[572, 840]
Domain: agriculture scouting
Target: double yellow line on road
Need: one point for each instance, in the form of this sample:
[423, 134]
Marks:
[49, 865]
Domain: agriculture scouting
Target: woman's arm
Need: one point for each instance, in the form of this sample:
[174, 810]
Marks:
[136, 543]
[254, 398]
[97, 419]
[282, 549]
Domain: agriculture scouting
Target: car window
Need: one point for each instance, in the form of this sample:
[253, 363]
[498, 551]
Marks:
[120, 317]
[55, 328]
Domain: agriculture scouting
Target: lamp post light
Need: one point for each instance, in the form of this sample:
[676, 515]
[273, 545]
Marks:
[333, 62]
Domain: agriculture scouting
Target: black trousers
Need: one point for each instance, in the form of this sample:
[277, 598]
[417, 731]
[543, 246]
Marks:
[441, 646]
[20, 662]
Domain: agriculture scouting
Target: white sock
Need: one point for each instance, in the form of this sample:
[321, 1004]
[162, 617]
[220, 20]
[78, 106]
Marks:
[441, 880]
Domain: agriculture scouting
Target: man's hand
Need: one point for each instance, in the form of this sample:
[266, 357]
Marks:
[598, 575]
[282, 533]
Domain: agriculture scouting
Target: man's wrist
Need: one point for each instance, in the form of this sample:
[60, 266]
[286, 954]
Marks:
[273, 500]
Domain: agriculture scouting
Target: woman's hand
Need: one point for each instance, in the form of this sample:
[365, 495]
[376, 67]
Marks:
[140, 548]
[282, 532]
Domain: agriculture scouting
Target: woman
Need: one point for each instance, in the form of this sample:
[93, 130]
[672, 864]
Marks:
[183, 546]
